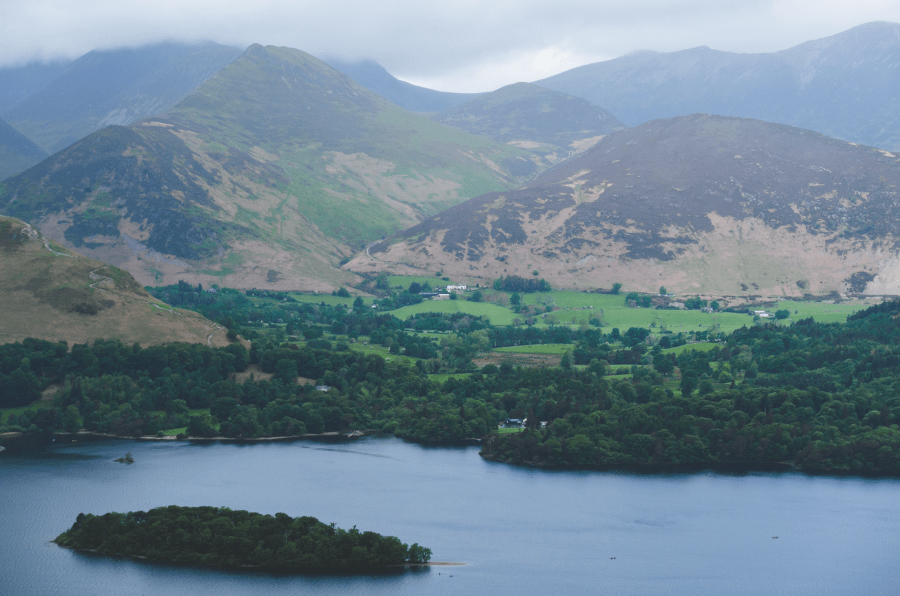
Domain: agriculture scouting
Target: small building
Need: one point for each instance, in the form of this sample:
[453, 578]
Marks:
[513, 423]
[323, 388]
[459, 288]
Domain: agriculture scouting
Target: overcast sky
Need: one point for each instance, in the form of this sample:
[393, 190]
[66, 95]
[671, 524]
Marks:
[456, 45]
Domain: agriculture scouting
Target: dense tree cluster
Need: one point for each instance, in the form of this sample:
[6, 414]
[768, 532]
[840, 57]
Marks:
[515, 283]
[823, 396]
[221, 537]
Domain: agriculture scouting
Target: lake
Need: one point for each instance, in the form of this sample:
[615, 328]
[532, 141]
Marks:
[519, 531]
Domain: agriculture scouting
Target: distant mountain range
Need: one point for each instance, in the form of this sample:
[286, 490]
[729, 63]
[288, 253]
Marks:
[17, 83]
[696, 203]
[845, 86]
[115, 87]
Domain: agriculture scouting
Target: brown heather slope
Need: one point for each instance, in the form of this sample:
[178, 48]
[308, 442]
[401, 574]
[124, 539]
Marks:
[48, 292]
[697, 203]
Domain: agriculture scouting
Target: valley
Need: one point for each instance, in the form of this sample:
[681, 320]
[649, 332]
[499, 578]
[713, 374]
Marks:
[658, 295]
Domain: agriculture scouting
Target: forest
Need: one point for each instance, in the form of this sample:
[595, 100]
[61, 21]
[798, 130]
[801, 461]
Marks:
[222, 537]
[822, 396]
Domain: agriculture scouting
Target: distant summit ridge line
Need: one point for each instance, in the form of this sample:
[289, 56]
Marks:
[845, 85]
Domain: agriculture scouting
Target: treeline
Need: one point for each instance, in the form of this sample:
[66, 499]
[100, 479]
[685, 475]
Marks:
[514, 283]
[128, 390]
[221, 537]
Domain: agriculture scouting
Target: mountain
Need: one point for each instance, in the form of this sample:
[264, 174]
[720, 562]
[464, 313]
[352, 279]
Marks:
[17, 83]
[267, 175]
[695, 203]
[120, 86]
[48, 292]
[375, 78]
[845, 86]
[549, 123]
[17, 152]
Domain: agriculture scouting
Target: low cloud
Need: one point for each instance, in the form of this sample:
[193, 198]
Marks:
[457, 46]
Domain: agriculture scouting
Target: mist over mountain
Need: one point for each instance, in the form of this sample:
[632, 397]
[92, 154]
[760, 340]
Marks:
[106, 87]
[696, 203]
[17, 83]
[846, 86]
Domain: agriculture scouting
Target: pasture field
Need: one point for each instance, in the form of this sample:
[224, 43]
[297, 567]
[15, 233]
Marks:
[552, 349]
[570, 317]
[572, 299]
[673, 320]
[819, 311]
[504, 431]
[496, 314]
[403, 281]
[328, 299]
[704, 346]
[380, 351]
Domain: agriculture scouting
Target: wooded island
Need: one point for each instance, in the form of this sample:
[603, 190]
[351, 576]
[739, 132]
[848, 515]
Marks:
[222, 537]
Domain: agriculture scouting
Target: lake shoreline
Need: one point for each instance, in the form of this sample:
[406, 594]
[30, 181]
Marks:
[258, 569]
[736, 467]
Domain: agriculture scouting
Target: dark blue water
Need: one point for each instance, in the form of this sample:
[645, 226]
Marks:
[519, 531]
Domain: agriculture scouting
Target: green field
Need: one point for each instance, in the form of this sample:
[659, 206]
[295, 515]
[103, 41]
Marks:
[504, 431]
[496, 314]
[819, 311]
[380, 350]
[704, 346]
[328, 299]
[677, 321]
[550, 349]
[570, 299]
[403, 281]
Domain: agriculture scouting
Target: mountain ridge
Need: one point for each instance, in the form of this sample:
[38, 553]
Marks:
[121, 86]
[263, 177]
[810, 85]
[697, 203]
